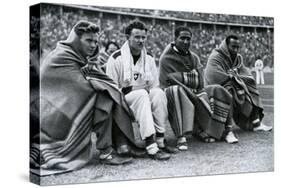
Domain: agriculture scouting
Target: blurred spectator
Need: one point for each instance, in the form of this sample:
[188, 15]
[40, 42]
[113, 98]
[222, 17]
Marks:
[206, 36]
[259, 71]
[105, 52]
[240, 19]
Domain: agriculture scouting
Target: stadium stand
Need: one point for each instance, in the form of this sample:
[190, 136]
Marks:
[208, 29]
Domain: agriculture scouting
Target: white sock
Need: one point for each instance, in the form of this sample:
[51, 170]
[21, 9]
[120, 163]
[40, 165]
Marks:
[181, 140]
[256, 121]
[152, 149]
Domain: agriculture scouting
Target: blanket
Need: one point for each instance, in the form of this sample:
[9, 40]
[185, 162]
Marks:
[211, 104]
[69, 104]
[237, 79]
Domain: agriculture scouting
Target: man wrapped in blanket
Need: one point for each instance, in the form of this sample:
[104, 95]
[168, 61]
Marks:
[76, 99]
[134, 71]
[225, 67]
[205, 111]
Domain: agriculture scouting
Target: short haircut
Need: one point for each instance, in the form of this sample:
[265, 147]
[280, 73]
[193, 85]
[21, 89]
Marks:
[231, 36]
[135, 24]
[180, 29]
[85, 27]
[111, 42]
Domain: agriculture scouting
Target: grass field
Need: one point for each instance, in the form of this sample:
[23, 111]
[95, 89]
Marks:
[253, 153]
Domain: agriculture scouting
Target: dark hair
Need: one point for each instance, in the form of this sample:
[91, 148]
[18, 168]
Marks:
[231, 36]
[135, 24]
[85, 27]
[111, 42]
[180, 29]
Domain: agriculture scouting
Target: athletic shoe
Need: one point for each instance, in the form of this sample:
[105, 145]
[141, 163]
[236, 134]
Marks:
[230, 138]
[169, 149]
[115, 160]
[160, 155]
[154, 152]
[263, 127]
[182, 144]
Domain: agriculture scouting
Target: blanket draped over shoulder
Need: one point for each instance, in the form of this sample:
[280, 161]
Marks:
[71, 105]
[211, 104]
[240, 84]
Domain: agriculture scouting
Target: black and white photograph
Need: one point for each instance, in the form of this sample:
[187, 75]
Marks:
[140, 93]
[127, 93]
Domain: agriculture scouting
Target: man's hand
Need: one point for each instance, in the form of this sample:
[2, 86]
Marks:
[87, 69]
[193, 71]
[232, 73]
[90, 67]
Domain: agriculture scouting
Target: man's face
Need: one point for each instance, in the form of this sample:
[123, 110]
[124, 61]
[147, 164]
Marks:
[111, 48]
[233, 46]
[183, 41]
[88, 44]
[137, 40]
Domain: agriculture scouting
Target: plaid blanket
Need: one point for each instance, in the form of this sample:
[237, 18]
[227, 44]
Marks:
[71, 105]
[211, 104]
[237, 79]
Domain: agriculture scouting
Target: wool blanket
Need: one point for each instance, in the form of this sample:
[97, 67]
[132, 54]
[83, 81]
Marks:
[238, 80]
[71, 105]
[211, 104]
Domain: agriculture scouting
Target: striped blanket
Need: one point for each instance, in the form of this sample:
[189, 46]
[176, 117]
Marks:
[182, 77]
[238, 80]
[72, 105]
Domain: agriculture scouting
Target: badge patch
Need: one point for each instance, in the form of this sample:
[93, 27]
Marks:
[136, 76]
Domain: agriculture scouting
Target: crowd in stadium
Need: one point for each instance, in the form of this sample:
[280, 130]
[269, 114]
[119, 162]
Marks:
[205, 37]
[239, 19]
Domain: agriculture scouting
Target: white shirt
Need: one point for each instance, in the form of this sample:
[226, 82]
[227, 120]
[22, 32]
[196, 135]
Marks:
[259, 64]
[115, 70]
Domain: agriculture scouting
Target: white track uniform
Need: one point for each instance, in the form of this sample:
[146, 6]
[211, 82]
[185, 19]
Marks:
[147, 101]
[259, 71]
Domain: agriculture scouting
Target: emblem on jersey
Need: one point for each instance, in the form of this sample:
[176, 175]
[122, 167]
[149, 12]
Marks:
[136, 76]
